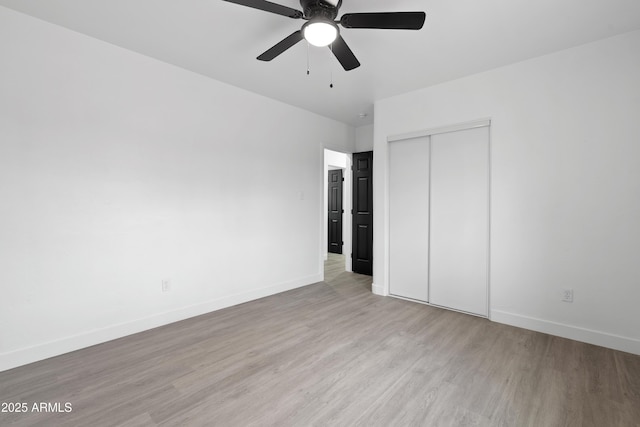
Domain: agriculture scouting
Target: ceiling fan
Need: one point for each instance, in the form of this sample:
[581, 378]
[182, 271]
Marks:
[321, 28]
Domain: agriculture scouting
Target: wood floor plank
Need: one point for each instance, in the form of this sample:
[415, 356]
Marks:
[332, 353]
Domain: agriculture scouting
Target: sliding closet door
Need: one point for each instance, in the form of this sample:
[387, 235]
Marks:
[409, 218]
[460, 220]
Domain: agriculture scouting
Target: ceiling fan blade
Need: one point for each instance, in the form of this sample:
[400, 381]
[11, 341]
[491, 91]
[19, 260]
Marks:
[384, 20]
[267, 6]
[285, 44]
[344, 54]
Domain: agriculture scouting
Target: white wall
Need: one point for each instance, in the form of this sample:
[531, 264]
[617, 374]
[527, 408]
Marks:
[364, 138]
[565, 185]
[118, 171]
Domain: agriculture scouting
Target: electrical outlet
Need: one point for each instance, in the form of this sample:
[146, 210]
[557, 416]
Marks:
[567, 295]
[166, 286]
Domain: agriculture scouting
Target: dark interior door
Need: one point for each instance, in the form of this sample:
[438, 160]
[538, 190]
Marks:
[335, 211]
[362, 256]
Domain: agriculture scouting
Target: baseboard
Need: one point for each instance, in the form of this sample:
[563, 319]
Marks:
[378, 290]
[603, 339]
[43, 351]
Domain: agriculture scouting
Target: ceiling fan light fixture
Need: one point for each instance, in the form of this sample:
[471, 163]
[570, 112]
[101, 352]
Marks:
[320, 32]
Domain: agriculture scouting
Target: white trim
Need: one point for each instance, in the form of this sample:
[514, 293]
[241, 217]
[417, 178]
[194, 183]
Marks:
[489, 193]
[322, 231]
[430, 220]
[24, 356]
[438, 306]
[378, 290]
[443, 129]
[604, 339]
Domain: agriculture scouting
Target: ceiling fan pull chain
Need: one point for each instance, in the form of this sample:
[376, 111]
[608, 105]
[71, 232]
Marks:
[307, 58]
[331, 69]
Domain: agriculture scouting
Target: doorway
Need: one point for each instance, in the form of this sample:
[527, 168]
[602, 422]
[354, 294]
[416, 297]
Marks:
[357, 221]
[336, 162]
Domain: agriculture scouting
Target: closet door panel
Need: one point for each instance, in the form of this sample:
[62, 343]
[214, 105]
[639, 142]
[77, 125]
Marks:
[409, 218]
[459, 220]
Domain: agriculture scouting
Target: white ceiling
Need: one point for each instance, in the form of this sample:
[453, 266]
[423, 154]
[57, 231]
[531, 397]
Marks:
[221, 40]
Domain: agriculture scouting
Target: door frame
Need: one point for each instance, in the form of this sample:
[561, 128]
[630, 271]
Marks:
[428, 133]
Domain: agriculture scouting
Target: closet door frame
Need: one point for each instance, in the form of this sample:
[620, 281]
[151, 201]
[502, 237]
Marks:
[427, 133]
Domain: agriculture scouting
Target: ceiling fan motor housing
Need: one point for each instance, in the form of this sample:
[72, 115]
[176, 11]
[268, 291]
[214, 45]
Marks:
[314, 9]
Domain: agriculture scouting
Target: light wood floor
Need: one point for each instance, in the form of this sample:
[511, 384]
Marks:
[332, 353]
